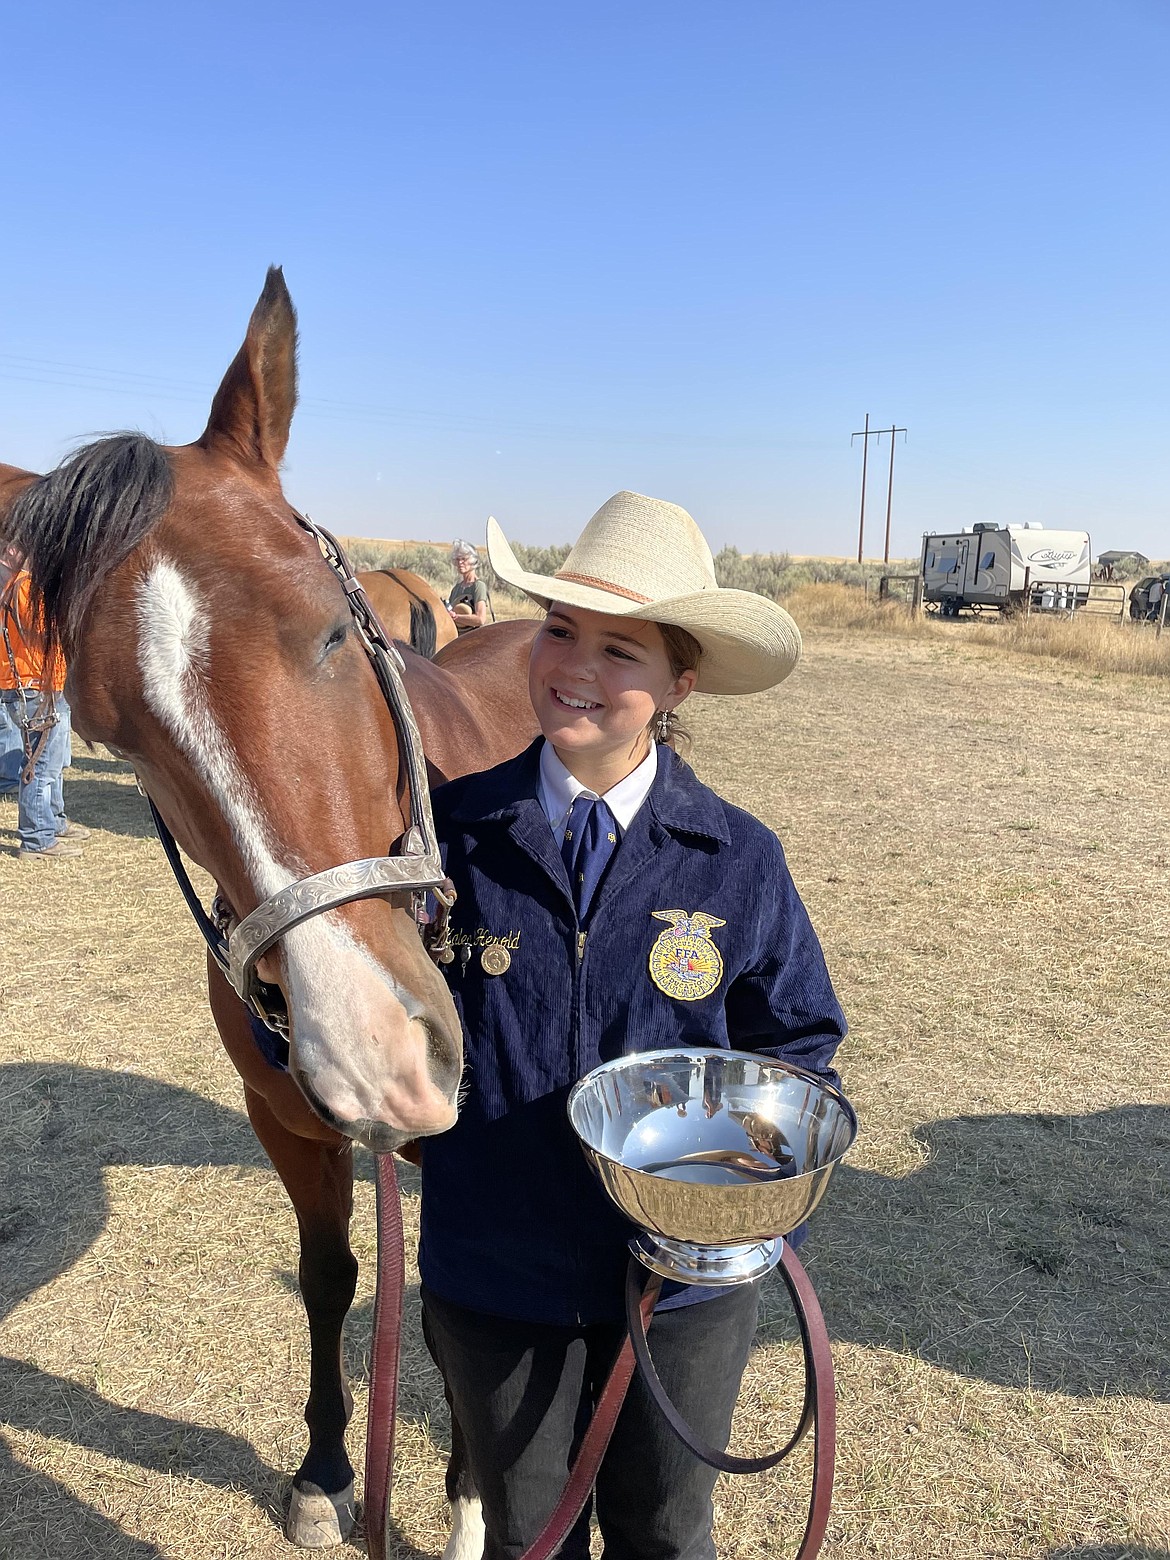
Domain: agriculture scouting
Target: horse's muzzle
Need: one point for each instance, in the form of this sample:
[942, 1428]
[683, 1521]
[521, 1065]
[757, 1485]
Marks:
[382, 1137]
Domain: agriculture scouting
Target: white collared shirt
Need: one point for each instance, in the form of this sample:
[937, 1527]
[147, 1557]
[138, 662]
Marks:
[557, 790]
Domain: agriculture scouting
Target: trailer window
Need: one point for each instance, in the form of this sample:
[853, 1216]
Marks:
[988, 560]
[930, 560]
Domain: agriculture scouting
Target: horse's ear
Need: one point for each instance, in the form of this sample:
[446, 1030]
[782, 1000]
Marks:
[253, 407]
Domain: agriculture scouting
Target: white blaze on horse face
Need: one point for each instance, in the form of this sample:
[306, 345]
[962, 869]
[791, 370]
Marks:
[356, 1035]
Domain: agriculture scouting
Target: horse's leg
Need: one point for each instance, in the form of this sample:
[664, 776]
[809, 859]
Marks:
[319, 1180]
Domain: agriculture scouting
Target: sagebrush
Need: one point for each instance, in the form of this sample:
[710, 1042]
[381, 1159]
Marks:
[775, 575]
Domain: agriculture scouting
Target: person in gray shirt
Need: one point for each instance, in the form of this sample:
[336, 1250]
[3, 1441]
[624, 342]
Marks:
[468, 601]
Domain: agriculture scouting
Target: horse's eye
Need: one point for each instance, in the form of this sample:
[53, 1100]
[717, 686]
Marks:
[336, 638]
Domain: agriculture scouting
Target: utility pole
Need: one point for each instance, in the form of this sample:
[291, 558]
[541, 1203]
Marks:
[890, 490]
[865, 435]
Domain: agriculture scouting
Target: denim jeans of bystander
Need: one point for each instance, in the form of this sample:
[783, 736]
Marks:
[11, 744]
[41, 802]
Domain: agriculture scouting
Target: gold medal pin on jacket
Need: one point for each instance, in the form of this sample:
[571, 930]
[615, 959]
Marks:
[684, 961]
[495, 959]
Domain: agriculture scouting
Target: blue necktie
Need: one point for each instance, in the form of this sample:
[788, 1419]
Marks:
[590, 840]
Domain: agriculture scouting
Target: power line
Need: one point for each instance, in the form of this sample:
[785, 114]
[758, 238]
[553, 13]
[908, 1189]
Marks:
[15, 368]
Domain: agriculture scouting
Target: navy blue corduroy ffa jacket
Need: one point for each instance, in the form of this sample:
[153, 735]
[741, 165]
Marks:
[513, 1220]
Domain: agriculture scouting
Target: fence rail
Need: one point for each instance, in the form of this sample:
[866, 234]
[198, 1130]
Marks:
[915, 592]
[1106, 600]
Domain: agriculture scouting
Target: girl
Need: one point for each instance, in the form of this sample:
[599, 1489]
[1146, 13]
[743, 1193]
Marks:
[586, 869]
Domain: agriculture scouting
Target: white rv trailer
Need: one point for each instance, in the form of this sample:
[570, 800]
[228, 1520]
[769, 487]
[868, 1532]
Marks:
[996, 566]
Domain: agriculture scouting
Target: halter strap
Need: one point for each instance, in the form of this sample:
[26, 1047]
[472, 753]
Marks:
[236, 945]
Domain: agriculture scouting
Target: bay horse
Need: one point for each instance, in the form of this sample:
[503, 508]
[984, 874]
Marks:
[410, 608]
[210, 644]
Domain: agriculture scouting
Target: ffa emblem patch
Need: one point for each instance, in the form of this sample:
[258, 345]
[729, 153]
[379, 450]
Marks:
[684, 962]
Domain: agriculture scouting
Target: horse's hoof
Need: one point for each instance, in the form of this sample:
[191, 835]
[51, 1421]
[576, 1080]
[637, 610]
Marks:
[316, 1520]
[467, 1530]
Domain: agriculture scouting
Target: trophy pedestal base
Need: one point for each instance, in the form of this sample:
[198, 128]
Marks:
[715, 1267]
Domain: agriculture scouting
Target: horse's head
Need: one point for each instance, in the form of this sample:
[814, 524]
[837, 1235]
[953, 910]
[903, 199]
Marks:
[211, 644]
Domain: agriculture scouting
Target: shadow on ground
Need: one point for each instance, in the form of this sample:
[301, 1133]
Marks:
[59, 1126]
[1026, 1251]
[96, 795]
[98, 764]
[1109, 1552]
[107, 803]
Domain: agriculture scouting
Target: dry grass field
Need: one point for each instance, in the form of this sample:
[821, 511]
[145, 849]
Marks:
[981, 841]
[1095, 642]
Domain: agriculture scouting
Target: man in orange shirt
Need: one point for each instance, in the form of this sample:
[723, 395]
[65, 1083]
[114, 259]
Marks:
[34, 727]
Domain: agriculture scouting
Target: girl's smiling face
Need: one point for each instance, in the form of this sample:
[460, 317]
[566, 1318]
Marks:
[596, 682]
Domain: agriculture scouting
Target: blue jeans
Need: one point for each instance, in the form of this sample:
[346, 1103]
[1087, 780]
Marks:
[41, 803]
[11, 746]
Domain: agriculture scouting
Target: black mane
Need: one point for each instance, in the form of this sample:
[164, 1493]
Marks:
[85, 518]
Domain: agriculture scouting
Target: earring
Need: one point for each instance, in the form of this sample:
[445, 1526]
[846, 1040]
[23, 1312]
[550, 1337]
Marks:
[662, 724]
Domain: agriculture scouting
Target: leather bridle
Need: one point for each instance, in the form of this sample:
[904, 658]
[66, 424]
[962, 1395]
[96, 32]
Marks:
[237, 944]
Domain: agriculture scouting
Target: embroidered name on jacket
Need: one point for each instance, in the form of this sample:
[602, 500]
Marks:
[482, 938]
[684, 962]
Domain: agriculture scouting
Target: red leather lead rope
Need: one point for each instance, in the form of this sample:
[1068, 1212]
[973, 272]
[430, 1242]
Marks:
[819, 1410]
[583, 1475]
[820, 1403]
[819, 1382]
[384, 1350]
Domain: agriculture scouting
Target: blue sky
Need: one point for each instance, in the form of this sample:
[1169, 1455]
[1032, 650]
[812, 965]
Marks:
[541, 252]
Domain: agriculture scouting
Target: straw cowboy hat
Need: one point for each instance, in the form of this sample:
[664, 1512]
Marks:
[643, 558]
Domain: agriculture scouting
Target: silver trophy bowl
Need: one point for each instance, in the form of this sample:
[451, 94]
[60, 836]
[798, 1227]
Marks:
[714, 1155]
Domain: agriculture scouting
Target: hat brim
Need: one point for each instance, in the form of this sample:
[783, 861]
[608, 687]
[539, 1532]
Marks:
[749, 643]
